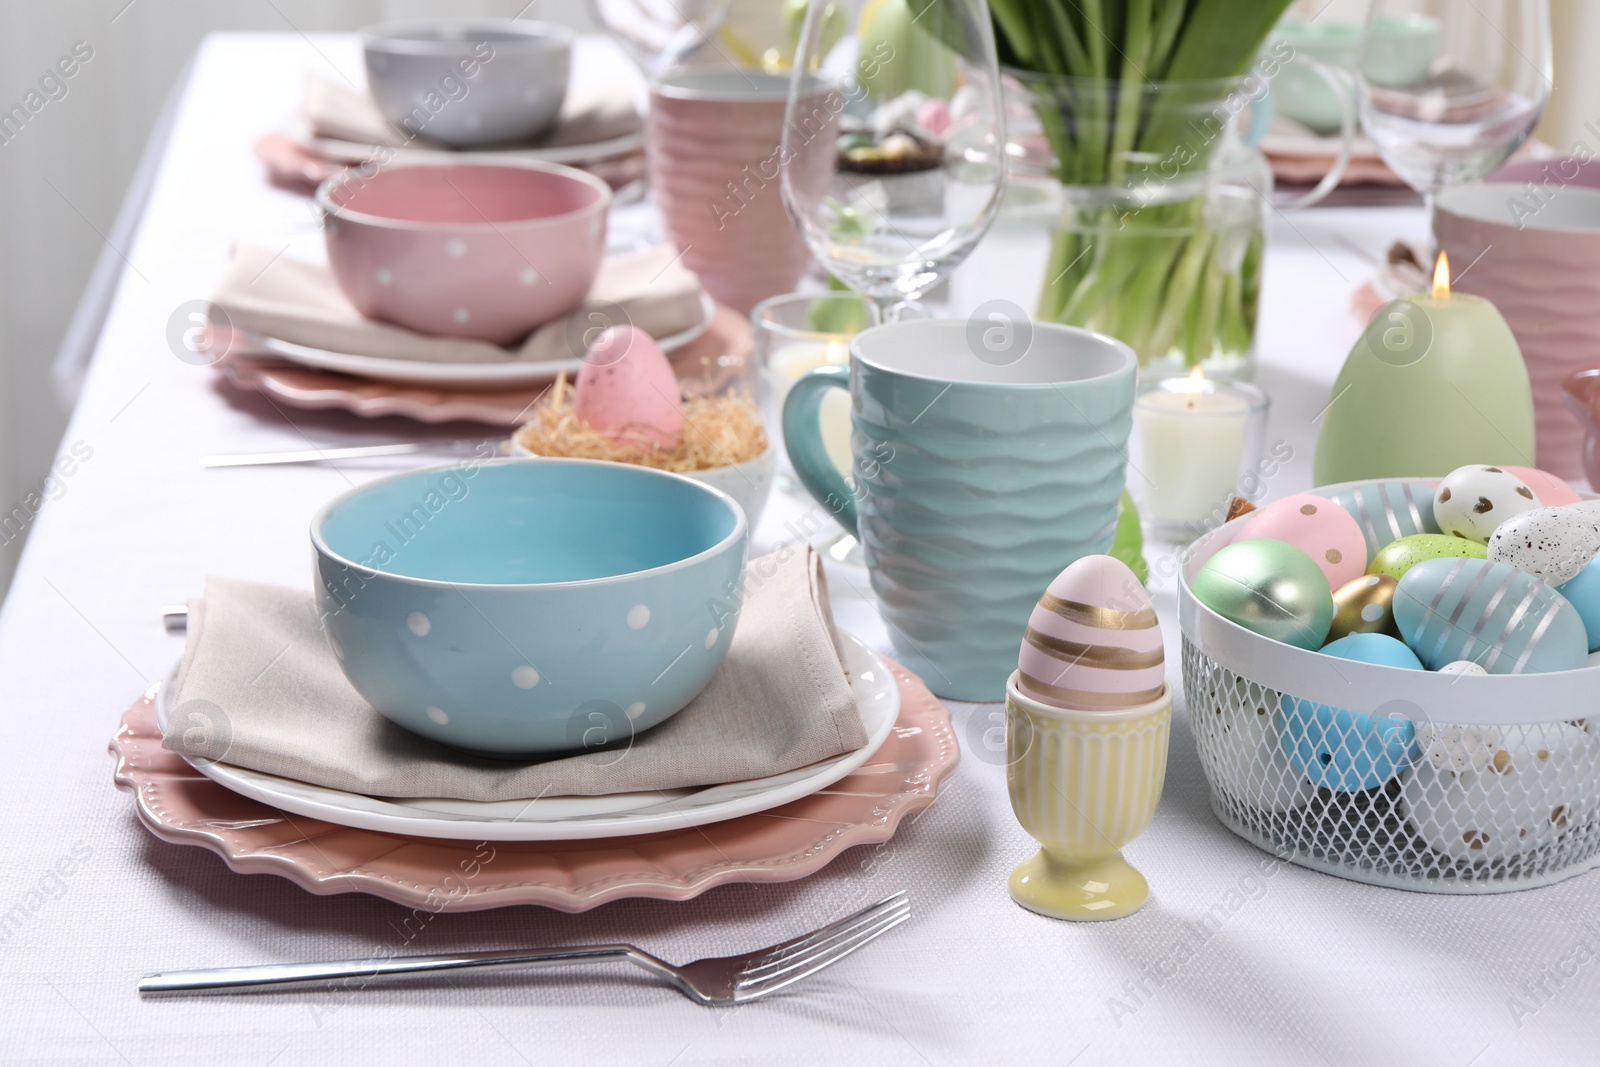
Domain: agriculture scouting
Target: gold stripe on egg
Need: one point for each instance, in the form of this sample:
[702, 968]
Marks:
[1088, 699]
[1100, 618]
[1108, 657]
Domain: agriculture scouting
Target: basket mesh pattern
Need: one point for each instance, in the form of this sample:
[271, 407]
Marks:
[1395, 800]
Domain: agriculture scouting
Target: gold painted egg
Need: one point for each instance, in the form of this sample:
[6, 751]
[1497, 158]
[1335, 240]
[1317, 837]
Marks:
[1364, 606]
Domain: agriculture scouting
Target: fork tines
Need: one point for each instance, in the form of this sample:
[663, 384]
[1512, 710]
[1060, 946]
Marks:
[806, 955]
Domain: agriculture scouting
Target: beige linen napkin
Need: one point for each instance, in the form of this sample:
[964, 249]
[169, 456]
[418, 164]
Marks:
[300, 302]
[256, 657]
[589, 115]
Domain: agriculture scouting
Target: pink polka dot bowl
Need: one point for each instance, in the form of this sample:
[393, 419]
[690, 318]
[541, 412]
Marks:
[488, 249]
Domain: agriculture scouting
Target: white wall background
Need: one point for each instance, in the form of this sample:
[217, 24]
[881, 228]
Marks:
[63, 177]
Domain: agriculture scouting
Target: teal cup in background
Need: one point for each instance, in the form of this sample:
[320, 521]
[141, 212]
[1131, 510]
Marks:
[987, 455]
[1398, 52]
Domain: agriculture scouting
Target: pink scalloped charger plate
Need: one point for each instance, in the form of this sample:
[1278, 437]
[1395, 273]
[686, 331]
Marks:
[704, 364]
[178, 804]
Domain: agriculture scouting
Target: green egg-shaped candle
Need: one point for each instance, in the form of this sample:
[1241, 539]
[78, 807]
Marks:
[1435, 382]
[1269, 587]
[1396, 558]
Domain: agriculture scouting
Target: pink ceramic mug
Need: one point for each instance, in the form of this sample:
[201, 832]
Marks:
[1534, 250]
[714, 165]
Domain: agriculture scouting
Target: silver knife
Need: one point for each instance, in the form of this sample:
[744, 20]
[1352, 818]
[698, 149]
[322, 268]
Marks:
[323, 455]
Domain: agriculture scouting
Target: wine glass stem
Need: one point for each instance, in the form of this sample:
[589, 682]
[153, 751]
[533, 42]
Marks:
[896, 308]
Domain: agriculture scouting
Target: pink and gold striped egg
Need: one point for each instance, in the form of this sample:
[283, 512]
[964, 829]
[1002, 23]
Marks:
[1093, 642]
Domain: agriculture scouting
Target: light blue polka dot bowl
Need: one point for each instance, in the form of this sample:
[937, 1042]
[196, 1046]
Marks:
[520, 608]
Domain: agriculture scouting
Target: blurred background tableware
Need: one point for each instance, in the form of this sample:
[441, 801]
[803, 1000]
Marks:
[978, 474]
[598, 127]
[797, 331]
[290, 165]
[1478, 98]
[467, 83]
[603, 571]
[725, 347]
[1196, 441]
[1533, 239]
[910, 136]
[463, 247]
[1582, 391]
[278, 305]
[1399, 51]
[714, 162]
[660, 34]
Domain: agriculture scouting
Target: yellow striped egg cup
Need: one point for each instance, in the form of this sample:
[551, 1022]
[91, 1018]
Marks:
[1083, 784]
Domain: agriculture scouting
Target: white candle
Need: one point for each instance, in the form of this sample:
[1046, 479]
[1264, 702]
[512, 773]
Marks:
[788, 363]
[1189, 435]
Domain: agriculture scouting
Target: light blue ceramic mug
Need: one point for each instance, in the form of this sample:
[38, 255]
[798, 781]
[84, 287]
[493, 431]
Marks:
[987, 455]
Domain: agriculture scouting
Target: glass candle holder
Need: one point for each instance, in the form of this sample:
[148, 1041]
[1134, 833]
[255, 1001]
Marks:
[796, 332]
[1193, 438]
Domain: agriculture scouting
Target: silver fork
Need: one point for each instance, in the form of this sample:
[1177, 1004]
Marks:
[720, 980]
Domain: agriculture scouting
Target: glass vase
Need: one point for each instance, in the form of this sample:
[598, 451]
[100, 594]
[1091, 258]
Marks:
[1160, 212]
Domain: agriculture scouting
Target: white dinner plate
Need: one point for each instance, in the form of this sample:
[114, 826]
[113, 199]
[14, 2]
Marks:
[354, 152]
[460, 375]
[575, 818]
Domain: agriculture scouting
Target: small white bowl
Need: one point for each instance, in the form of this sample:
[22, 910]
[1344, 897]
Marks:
[749, 483]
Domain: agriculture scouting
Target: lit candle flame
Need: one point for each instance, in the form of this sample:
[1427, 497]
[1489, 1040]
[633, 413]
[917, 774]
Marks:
[1194, 386]
[1441, 277]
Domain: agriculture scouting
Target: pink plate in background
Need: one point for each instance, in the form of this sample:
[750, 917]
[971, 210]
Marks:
[705, 364]
[177, 804]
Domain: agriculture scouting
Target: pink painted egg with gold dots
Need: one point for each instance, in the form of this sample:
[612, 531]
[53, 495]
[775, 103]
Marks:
[1318, 527]
[1551, 491]
[1093, 642]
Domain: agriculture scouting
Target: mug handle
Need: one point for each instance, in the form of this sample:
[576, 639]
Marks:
[802, 436]
[1343, 86]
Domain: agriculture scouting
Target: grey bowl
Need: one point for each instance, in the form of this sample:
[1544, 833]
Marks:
[467, 83]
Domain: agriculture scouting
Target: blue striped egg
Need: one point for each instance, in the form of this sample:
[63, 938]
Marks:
[1583, 593]
[1388, 511]
[1505, 620]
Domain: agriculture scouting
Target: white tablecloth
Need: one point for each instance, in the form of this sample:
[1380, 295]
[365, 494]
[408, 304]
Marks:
[1295, 966]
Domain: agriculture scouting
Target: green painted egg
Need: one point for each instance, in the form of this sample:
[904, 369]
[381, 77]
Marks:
[1270, 587]
[1397, 557]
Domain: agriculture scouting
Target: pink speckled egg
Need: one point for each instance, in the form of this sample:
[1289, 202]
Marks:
[1093, 643]
[1551, 491]
[934, 116]
[1318, 527]
[626, 388]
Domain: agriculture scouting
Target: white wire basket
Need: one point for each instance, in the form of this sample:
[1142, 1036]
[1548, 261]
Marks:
[1411, 779]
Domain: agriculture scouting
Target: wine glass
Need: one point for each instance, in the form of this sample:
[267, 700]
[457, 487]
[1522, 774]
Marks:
[1448, 89]
[895, 140]
[659, 34]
